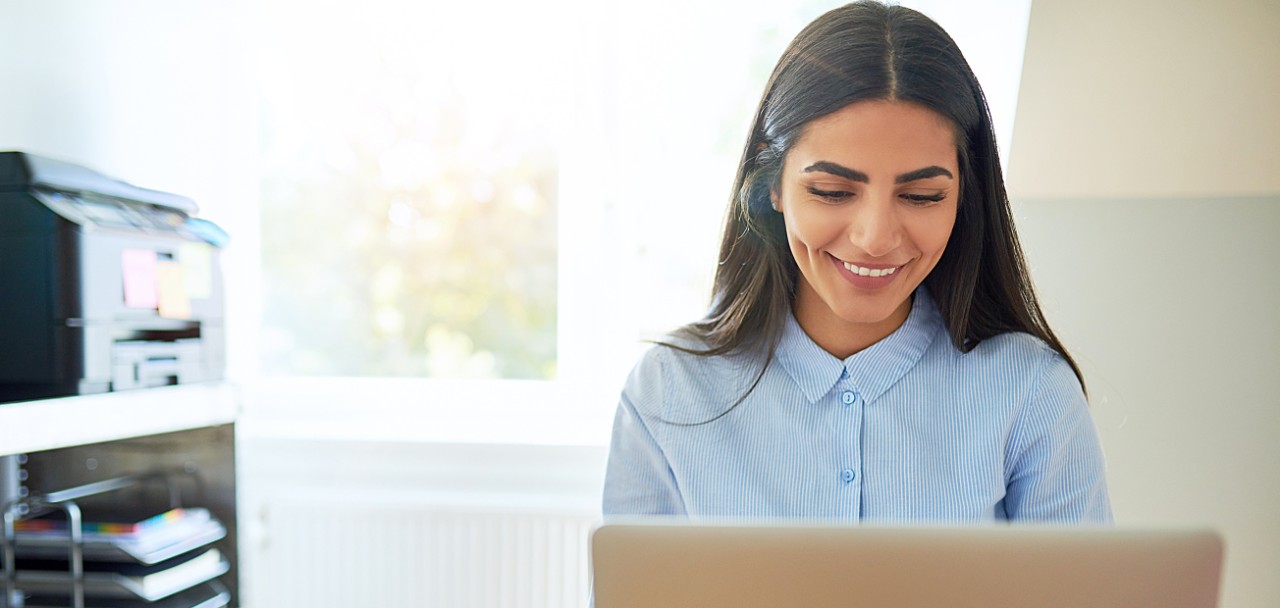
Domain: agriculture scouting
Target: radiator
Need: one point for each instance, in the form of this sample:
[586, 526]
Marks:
[388, 556]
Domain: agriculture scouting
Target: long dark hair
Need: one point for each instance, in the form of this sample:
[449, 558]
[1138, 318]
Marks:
[870, 51]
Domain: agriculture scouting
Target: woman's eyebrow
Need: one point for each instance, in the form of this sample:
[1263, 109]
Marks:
[925, 173]
[858, 176]
[852, 175]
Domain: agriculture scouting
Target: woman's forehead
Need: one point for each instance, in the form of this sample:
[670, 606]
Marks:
[889, 135]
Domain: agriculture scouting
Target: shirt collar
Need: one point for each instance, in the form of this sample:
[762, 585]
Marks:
[874, 369]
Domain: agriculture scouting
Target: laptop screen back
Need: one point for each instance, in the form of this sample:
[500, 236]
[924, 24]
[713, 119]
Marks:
[674, 565]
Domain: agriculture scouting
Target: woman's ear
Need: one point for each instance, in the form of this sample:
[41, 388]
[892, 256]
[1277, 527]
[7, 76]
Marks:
[773, 199]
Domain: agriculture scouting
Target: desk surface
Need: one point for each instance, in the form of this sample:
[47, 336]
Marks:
[32, 426]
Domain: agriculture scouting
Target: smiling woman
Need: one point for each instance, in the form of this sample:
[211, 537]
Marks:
[874, 349]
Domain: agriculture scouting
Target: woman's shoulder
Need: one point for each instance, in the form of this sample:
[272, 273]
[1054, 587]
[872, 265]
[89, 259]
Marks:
[680, 367]
[1016, 360]
[1015, 348]
[1033, 371]
[686, 357]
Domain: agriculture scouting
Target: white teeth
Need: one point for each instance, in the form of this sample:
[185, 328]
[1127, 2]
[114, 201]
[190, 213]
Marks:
[869, 272]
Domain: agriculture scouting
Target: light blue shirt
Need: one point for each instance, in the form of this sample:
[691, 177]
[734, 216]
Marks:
[907, 430]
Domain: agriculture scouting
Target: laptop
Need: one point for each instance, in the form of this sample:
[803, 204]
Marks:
[674, 564]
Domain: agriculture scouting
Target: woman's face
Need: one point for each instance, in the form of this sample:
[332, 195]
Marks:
[869, 196]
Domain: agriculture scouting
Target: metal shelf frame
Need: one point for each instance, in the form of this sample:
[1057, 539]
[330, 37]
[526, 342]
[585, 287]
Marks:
[65, 501]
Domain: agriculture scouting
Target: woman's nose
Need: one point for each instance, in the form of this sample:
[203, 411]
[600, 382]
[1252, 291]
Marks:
[874, 227]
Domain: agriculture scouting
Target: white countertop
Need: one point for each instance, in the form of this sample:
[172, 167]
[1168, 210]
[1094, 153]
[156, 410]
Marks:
[32, 426]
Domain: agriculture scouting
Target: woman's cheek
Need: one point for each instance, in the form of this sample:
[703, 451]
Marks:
[939, 231]
[812, 230]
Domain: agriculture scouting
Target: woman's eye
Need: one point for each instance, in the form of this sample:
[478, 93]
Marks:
[831, 195]
[924, 199]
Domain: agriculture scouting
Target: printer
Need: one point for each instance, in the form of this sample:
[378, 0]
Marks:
[104, 286]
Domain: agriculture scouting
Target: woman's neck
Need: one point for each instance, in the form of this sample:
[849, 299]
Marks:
[837, 335]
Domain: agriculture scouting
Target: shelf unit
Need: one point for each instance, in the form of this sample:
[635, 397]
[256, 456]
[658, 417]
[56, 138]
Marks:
[49, 445]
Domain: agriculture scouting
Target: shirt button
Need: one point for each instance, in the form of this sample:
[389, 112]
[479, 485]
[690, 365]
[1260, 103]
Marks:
[848, 475]
[848, 398]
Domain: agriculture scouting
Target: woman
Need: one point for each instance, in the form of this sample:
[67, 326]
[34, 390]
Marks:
[874, 349]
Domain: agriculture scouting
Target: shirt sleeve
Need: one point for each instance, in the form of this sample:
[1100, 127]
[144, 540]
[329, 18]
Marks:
[638, 479]
[1055, 470]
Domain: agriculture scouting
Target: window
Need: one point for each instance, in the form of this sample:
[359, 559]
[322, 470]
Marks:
[409, 190]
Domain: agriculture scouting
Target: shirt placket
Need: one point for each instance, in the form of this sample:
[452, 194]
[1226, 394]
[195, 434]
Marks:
[848, 471]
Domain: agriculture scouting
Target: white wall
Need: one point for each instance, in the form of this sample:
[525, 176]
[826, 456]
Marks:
[1144, 178]
[1148, 99]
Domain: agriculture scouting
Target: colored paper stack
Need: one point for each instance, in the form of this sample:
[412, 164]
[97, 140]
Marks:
[165, 561]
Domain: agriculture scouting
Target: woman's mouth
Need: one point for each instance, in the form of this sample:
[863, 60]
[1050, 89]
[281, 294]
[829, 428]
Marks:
[866, 271]
[867, 275]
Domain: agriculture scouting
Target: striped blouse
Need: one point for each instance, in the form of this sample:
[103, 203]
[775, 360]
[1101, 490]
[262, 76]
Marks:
[907, 430]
